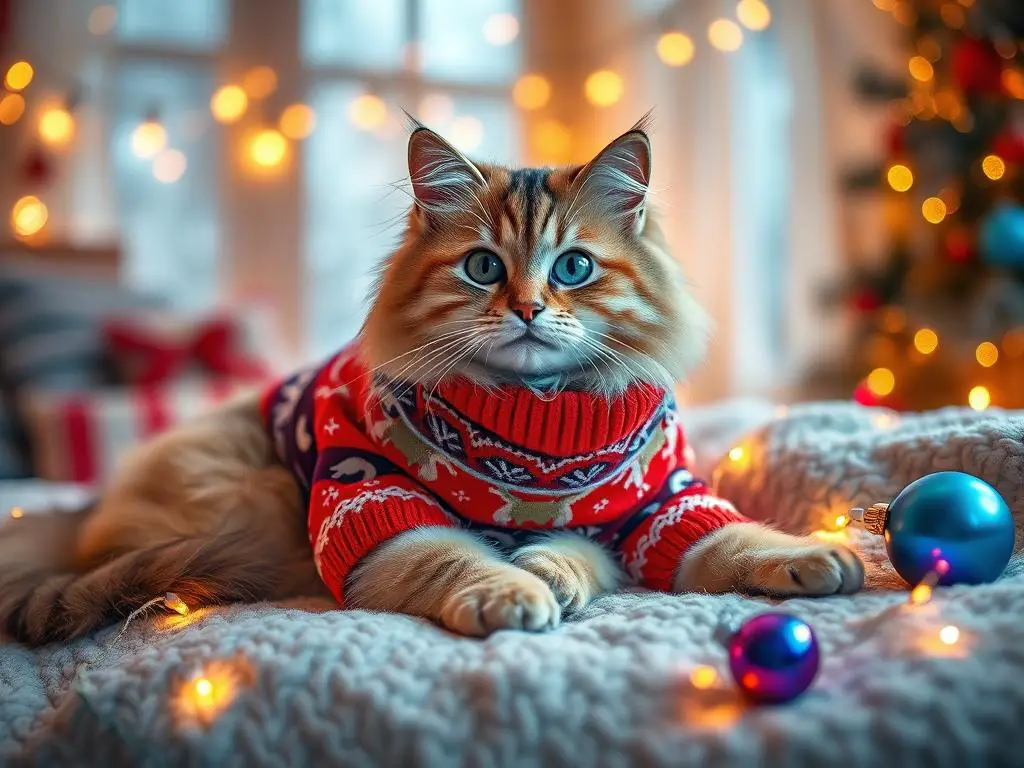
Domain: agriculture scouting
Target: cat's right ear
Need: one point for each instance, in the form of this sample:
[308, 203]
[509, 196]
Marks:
[443, 180]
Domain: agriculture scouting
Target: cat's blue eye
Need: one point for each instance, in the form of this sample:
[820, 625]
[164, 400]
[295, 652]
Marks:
[572, 268]
[484, 268]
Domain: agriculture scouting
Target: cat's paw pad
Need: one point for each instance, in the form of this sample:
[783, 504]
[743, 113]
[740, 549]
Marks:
[508, 598]
[812, 569]
[560, 572]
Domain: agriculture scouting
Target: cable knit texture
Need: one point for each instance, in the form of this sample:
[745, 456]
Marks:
[608, 687]
[377, 458]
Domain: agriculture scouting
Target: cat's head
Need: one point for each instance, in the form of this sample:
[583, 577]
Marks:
[547, 277]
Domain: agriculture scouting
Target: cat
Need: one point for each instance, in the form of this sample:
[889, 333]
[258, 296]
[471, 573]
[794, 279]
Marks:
[542, 303]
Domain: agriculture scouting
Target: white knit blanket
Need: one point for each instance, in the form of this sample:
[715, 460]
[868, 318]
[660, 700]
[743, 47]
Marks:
[304, 684]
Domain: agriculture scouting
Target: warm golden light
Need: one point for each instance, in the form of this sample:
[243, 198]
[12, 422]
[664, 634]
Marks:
[921, 69]
[949, 634]
[737, 454]
[228, 104]
[986, 354]
[904, 13]
[1013, 82]
[259, 82]
[56, 126]
[929, 47]
[29, 216]
[17, 512]
[675, 49]
[297, 122]
[993, 167]
[881, 381]
[884, 5]
[102, 19]
[367, 112]
[531, 91]
[148, 139]
[169, 166]
[466, 133]
[979, 398]
[18, 76]
[725, 35]
[603, 88]
[894, 319]
[436, 109]
[501, 28]
[703, 677]
[754, 14]
[934, 210]
[267, 148]
[900, 177]
[12, 107]
[886, 421]
[842, 521]
[953, 16]
[921, 594]
[176, 604]
[552, 140]
[203, 688]
[926, 341]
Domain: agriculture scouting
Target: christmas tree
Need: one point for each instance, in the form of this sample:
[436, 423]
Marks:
[939, 318]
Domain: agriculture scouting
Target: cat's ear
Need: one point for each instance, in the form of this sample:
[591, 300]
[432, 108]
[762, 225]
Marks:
[617, 179]
[443, 179]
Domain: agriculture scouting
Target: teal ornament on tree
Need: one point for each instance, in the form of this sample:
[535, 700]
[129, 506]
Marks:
[1002, 236]
[950, 524]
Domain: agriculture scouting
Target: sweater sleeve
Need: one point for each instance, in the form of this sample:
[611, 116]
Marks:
[652, 551]
[359, 500]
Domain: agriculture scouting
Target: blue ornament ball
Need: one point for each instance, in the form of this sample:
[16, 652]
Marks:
[1002, 236]
[952, 523]
[773, 657]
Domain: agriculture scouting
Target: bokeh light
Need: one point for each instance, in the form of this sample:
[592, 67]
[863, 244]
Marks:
[921, 69]
[552, 140]
[148, 139]
[102, 19]
[703, 677]
[501, 28]
[18, 76]
[169, 166]
[953, 15]
[979, 398]
[297, 122]
[926, 341]
[267, 148]
[754, 14]
[259, 82]
[603, 88]
[949, 634]
[987, 354]
[12, 107]
[367, 112]
[881, 381]
[228, 104]
[28, 216]
[934, 210]
[56, 126]
[466, 133]
[531, 91]
[675, 49]
[900, 177]
[725, 35]
[993, 166]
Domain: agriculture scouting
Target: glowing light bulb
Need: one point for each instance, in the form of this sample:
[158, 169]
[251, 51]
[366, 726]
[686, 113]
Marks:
[993, 167]
[169, 166]
[979, 398]
[531, 91]
[297, 122]
[17, 512]
[259, 82]
[942, 567]
[29, 216]
[949, 634]
[900, 177]
[203, 688]
[754, 14]
[501, 28]
[367, 112]
[56, 126]
[737, 454]
[986, 354]
[12, 107]
[953, 16]
[725, 35]
[148, 139]
[176, 604]
[934, 210]
[675, 49]
[703, 677]
[18, 76]
[921, 594]
[926, 341]
[267, 148]
[228, 104]
[881, 381]
[842, 521]
[603, 88]
[921, 69]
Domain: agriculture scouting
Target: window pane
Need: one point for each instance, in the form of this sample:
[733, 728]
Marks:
[471, 40]
[368, 34]
[170, 229]
[193, 24]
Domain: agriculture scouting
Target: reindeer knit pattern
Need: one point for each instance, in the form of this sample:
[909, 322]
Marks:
[377, 457]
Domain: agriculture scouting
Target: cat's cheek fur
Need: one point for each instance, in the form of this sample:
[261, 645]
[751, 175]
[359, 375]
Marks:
[753, 558]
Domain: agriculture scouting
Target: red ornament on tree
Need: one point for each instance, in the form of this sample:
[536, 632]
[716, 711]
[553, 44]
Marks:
[1009, 145]
[959, 245]
[977, 68]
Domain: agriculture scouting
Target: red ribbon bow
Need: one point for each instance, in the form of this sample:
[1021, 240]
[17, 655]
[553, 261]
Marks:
[152, 356]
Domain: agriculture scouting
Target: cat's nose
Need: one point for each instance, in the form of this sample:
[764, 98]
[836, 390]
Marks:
[527, 312]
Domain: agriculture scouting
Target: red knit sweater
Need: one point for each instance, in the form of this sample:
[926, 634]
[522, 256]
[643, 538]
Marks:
[376, 458]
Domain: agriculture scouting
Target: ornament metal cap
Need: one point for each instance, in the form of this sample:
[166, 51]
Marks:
[872, 518]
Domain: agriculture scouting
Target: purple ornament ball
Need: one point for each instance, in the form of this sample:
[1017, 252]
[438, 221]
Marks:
[773, 657]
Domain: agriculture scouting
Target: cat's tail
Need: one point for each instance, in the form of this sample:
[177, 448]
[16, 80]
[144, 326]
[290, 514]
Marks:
[43, 598]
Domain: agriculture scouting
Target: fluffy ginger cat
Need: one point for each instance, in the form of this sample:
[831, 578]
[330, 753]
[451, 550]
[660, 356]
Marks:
[497, 448]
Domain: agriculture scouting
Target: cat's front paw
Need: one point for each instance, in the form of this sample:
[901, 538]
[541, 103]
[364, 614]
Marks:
[807, 569]
[504, 597]
[559, 571]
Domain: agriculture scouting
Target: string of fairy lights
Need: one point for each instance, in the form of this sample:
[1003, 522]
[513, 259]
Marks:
[265, 149]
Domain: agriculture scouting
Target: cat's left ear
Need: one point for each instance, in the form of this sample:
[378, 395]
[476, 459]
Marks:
[618, 178]
[444, 180]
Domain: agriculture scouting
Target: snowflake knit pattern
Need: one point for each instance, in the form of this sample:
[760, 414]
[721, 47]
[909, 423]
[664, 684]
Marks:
[377, 457]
